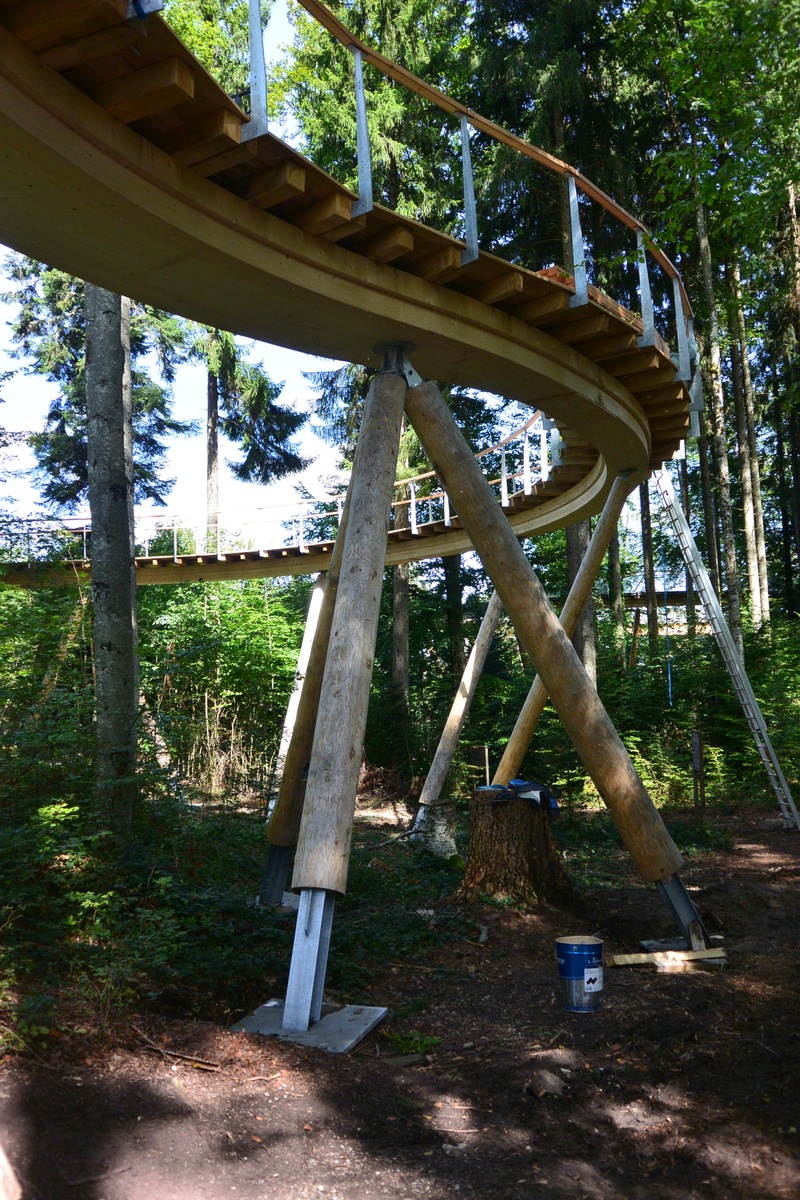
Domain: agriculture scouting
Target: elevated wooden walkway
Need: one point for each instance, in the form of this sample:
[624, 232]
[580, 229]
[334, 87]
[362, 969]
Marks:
[124, 163]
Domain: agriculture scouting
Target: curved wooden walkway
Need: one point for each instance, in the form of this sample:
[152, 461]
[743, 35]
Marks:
[123, 162]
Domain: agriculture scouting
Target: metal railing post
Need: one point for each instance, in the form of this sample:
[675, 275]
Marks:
[364, 203]
[412, 508]
[579, 272]
[258, 123]
[471, 252]
[503, 478]
[684, 364]
[648, 321]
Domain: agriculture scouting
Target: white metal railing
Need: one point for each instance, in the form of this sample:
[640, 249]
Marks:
[525, 456]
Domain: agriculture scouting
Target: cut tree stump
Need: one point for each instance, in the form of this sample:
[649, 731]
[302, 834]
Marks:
[511, 851]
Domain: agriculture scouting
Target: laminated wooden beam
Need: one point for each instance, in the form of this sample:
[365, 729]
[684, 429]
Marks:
[41, 24]
[234, 156]
[159, 86]
[94, 45]
[282, 182]
[441, 266]
[385, 247]
[583, 329]
[535, 311]
[324, 214]
[212, 134]
[503, 287]
[339, 232]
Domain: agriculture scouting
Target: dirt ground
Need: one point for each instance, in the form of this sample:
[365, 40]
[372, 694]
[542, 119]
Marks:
[681, 1086]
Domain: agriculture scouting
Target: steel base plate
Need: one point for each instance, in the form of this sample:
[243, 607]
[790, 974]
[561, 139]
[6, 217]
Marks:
[337, 1031]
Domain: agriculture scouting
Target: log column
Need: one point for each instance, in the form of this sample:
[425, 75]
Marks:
[326, 827]
[598, 744]
[528, 719]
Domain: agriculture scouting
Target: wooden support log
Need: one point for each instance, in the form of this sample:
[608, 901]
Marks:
[284, 824]
[323, 847]
[596, 740]
[517, 746]
[432, 789]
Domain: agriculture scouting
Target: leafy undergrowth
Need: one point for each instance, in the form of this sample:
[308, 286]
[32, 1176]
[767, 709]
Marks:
[171, 924]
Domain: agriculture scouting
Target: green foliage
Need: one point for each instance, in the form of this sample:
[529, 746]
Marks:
[49, 330]
[217, 33]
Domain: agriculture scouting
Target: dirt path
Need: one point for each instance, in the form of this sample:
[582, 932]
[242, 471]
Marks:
[681, 1086]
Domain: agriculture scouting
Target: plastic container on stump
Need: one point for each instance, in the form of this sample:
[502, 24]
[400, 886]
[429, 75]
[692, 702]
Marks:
[580, 972]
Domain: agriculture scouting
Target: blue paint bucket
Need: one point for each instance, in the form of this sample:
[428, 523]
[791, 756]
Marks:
[580, 972]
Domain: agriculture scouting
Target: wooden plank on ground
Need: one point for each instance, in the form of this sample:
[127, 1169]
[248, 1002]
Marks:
[665, 958]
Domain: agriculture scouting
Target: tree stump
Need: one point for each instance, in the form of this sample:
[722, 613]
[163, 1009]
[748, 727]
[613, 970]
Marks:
[511, 851]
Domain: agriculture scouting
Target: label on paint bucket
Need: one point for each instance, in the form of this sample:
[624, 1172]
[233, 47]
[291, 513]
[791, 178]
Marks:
[593, 979]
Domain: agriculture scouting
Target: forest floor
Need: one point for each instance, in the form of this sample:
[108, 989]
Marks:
[682, 1085]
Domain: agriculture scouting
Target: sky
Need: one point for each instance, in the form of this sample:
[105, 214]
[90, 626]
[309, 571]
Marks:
[24, 400]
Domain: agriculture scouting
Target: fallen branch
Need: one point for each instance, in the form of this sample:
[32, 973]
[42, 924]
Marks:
[203, 1064]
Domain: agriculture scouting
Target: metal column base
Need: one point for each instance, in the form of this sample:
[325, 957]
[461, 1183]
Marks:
[677, 899]
[337, 1031]
[312, 939]
[276, 872]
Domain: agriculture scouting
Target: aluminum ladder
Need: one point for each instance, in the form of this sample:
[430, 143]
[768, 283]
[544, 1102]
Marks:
[716, 619]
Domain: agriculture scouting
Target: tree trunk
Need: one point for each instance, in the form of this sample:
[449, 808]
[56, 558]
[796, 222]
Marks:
[752, 441]
[110, 477]
[709, 515]
[454, 606]
[212, 462]
[459, 711]
[746, 481]
[720, 443]
[648, 565]
[511, 852]
[585, 637]
[617, 597]
[779, 425]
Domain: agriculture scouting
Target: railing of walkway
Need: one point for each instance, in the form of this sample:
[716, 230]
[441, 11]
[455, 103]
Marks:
[522, 459]
[646, 249]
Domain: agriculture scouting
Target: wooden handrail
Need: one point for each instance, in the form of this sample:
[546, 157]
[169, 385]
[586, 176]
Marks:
[329, 21]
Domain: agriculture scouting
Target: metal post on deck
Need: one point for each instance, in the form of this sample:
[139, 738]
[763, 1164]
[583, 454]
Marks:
[648, 320]
[579, 272]
[258, 123]
[364, 203]
[471, 252]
